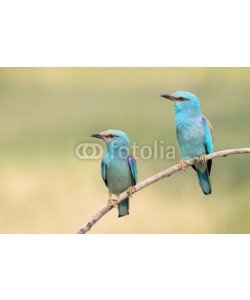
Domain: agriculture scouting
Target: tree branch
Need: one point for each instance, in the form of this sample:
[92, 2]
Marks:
[165, 173]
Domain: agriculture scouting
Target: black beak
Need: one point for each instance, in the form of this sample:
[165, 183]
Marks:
[168, 96]
[97, 135]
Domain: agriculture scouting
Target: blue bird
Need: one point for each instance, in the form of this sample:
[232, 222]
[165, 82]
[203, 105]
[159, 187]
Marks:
[118, 167]
[194, 135]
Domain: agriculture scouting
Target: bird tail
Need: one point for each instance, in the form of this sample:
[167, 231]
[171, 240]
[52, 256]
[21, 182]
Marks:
[123, 208]
[204, 181]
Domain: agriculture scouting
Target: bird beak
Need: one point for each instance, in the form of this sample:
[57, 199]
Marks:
[98, 136]
[169, 97]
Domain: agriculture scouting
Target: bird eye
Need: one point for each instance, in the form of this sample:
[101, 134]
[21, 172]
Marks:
[109, 136]
[181, 98]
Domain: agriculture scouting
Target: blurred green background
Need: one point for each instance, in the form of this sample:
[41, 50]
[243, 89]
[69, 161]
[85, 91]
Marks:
[46, 112]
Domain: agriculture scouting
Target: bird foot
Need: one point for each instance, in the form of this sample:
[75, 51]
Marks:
[131, 190]
[202, 158]
[112, 203]
[182, 165]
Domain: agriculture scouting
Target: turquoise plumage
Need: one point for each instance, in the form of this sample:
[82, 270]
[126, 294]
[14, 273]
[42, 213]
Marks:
[118, 167]
[194, 134]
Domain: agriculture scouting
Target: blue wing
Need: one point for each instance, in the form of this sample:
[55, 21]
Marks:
[104, 172]
[133, 168]
[208, 139]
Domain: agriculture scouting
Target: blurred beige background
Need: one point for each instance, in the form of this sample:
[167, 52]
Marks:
[46, 112]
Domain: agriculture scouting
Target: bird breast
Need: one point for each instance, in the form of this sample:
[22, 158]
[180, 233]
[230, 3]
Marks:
[118, 176]
[190, 138]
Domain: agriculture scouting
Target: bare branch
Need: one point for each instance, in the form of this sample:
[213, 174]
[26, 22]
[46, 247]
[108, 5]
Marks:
[165, 173]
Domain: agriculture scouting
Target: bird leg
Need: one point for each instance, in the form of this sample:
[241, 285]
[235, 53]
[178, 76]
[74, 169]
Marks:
[202, 158]
[131, 190]
[182, 165]
[111, 202]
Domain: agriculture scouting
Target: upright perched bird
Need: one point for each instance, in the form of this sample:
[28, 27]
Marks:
[118, 168]
[194, 135]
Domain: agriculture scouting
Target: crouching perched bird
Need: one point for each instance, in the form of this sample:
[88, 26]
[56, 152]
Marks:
[194, 135]
[118, 168]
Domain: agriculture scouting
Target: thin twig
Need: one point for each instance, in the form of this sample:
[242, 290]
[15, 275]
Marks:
[165, 173]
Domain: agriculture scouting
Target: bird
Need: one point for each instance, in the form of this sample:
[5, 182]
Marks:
[194, 135]
[118, 168]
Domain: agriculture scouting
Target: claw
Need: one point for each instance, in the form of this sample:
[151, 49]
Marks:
[202, 158]
[130, 191]
[112, 203]
[182, 165]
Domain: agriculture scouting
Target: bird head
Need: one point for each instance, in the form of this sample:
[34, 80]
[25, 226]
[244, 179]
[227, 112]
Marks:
[184, 101]
[114, 139]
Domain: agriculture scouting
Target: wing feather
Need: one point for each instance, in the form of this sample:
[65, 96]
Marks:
[208, 139]
[208, 136]
[104, 172]
[133, 168]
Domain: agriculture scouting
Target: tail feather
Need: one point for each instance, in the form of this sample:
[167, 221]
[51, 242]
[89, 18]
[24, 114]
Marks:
[123, 208]
[204, 181]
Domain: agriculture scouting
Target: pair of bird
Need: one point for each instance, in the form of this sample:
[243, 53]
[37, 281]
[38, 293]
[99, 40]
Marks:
[194, 135]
